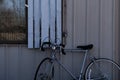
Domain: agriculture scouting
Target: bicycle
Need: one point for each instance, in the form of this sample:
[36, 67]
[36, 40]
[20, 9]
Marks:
[97, 69]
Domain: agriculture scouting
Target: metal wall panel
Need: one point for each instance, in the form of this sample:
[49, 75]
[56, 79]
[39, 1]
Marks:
[106, 28]
[44, 22]
[30, 24]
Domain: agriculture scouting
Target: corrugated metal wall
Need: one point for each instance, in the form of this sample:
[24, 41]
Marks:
[85, 21]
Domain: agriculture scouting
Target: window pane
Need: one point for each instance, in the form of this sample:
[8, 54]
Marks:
[13, 26]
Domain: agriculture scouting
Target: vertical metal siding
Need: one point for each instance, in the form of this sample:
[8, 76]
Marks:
[37, 17]
[30, 21]
[87, 21]
[106, 28]
[46, 22]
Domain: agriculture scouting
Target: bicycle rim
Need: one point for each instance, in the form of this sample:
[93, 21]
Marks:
[102, 69]
[45, 70]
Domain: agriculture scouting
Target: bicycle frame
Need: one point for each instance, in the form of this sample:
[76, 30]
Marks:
[54, 58]
[94, 69]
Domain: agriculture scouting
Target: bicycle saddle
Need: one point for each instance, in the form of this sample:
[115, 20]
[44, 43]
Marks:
[85, 47]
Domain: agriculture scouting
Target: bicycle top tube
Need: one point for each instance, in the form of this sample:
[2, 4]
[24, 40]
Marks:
[61, 47]
[75, 50]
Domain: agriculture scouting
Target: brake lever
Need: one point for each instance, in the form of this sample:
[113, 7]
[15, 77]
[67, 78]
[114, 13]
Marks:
[44, 43]
[62, 49]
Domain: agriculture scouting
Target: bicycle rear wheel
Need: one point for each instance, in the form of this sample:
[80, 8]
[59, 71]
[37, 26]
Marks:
[102, 69]
[45, 70]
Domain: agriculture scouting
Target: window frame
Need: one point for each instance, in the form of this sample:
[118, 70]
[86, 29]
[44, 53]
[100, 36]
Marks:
[26, 32]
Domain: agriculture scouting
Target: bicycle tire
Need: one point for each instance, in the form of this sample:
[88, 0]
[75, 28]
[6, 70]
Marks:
[102, 69]
[45, 70]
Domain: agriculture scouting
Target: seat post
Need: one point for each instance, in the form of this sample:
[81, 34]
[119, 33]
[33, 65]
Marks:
[83, 64]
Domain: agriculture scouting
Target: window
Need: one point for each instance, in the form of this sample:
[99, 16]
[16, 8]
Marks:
[42, 16]
[13, 27]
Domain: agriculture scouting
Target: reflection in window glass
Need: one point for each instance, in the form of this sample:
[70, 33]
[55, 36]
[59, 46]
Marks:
[13, 26]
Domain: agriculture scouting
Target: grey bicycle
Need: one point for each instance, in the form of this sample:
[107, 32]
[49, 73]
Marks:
[97, 69]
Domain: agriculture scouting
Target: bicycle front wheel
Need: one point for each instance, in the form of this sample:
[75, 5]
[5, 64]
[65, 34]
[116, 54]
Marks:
[102, 69]
[45, 70]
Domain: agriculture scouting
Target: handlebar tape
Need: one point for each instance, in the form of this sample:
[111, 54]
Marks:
[44, 43]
